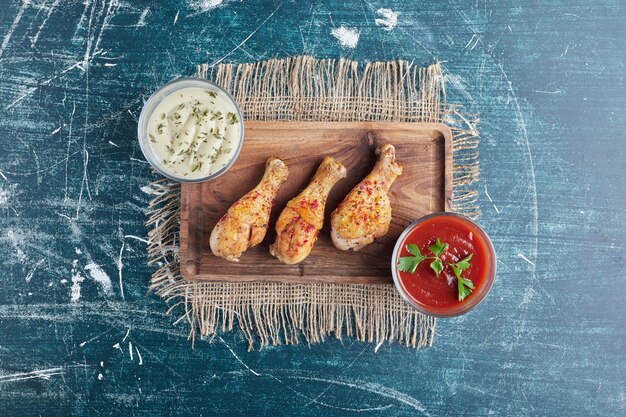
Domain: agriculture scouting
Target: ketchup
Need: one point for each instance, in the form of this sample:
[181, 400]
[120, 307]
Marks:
[439, 295]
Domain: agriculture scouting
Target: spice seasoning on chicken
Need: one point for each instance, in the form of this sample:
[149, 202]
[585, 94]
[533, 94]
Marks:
[364, 215]
[299, 223]
[245, 223]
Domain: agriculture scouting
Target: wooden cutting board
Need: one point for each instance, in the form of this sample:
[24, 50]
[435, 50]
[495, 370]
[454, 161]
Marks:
[423, 149]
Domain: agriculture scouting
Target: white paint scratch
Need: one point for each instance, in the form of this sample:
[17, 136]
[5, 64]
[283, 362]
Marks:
[388, 19]
[548, 92]
[100, 376]
[117, 313]
[69, 145]
[492, 48]
[117, 346]
[114, 144]
[378, 346]
[471, 44]
[533, 183]
[139, 356]
[38, 374]
[3, 176]
[137, 238]
[491, 201]
[126, 335]
[237, 357]
[374, 389]
[29, 276]
[77, 278]
[142, 17]
[120, 266]
[89, 54]
[203, 6]
[248, 37]
[347, 37]
[176, 17]
[80, 25]
[94, 338]
[459, 83]
[36, 157]
[130, 351]
[41, 84]
[532, 188]
[16, 21]
[101, 277]
[83, 182]
[33, 41]
[105, 23]
[521, 255]
[57, 130]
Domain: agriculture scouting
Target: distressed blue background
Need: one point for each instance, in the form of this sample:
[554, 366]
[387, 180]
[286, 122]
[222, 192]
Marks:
[548, 81]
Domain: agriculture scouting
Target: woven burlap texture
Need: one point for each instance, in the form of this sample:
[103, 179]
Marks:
[305, 88]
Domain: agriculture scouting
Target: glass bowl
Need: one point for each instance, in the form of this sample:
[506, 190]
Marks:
[462, 307]
[151, 104]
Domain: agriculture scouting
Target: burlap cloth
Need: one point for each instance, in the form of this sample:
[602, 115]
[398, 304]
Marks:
[304, 88]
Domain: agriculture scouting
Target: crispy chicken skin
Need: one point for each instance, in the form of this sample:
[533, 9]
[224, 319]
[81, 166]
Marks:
[364, 215]
[299, 223]
[245, 223]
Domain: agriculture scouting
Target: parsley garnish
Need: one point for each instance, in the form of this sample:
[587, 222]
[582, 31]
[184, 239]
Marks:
[232, 118]
[437, 249]
[465, 286]
[196, 166]
[410, 263]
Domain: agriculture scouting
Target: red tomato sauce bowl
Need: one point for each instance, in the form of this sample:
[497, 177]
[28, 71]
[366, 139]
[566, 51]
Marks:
[439, 295]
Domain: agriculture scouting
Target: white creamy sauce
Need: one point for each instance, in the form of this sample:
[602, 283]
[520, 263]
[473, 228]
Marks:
[194, 132]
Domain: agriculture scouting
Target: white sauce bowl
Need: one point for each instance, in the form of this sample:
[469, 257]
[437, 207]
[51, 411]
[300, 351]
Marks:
[147, 113]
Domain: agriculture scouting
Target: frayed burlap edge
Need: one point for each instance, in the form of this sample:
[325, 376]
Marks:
[304, 88]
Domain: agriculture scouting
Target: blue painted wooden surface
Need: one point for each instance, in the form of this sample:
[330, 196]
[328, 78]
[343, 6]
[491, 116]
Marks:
[548, 81]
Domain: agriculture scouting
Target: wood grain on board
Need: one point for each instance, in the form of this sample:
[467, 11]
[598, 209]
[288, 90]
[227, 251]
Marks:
[425, 186]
